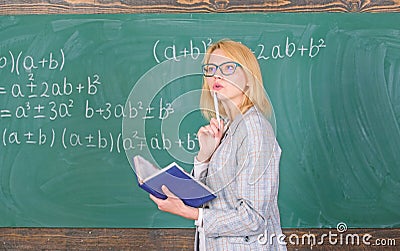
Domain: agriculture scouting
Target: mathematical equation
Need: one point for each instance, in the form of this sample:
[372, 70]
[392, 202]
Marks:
[16, 62]
[132, 111]
[54, 110]
[31, 97]
[64, 87]
[170, 51]
[98, 139]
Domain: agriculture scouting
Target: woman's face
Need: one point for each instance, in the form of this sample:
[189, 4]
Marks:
[227, 87]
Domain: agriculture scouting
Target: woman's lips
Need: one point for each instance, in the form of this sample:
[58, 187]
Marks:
[217, 87]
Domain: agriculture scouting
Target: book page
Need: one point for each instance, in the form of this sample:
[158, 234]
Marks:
[143, 168]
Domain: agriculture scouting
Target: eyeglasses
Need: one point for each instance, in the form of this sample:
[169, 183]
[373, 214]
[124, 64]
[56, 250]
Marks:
[227, 68]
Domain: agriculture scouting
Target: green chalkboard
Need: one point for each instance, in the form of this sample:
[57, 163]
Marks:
[70, 83]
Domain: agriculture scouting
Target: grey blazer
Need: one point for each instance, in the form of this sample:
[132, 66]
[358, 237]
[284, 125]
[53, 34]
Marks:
[244, 173]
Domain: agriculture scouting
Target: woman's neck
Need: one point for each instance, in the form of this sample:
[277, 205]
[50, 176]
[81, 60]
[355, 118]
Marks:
[231, 109]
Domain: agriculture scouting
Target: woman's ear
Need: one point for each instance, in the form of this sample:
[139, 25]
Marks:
[246, 87]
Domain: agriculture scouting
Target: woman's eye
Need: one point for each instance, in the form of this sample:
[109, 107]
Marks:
[229, 68]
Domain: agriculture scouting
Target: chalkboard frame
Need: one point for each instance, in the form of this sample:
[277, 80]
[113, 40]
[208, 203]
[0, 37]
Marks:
[155, 239]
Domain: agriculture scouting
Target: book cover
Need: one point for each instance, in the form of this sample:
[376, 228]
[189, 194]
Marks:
[179, 182]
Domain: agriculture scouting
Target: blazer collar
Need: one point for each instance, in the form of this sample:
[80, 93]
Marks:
[232, 126]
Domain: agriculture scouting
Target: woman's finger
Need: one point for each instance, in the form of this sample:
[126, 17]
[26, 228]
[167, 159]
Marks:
[219, 126]
[204, 130]
[219, 132]
[213, 129]
[207, 130]
[155, 199]
[167, 192]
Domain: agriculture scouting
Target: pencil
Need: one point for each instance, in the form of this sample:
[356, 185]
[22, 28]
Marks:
[217, 110]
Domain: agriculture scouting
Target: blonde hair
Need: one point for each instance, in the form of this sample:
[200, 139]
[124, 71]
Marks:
[255, 93]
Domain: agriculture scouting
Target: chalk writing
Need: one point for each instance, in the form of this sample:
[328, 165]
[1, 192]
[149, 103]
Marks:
[60, 98]
[98, 139]
[19, 61]
[52, 109]
[192, 49]
[263, 51]
[289, 49]
[56, 89]
[109, 110]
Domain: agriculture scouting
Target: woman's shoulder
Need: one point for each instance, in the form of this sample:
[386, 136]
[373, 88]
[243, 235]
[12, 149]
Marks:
[253, 122]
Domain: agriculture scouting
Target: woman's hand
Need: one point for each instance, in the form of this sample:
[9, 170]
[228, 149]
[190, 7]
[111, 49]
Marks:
[209, 137]
[172, 204]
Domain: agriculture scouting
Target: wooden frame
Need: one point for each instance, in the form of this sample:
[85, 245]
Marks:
[11, 7]
[175, 239]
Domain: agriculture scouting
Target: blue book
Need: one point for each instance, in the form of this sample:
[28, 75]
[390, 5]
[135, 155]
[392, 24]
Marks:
[179, 182]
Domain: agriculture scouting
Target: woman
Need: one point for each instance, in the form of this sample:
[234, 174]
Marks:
[239, 160]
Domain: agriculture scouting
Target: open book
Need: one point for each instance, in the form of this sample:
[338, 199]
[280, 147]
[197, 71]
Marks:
[183, 185]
